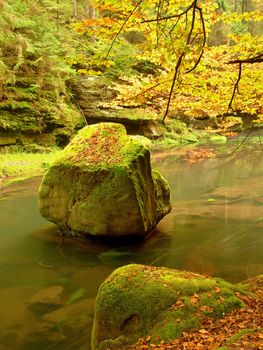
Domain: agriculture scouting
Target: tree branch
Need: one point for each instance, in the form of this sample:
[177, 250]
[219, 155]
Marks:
[193, 5]
[121, 28]
[236, 86]
[157, 26]
[188, 42]
[158, 19]
[173, 84]
[256, 59]
[204, 40]
[189, 39]
[146, 90]
[244, 140]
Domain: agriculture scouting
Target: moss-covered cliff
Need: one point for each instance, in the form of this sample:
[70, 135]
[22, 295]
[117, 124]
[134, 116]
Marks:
[34, 104]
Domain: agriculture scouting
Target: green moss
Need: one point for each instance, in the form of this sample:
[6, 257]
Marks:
[142, 140]
[33, 75]
[111, 173]
[16, 105]
[182, 138]
[176, 126]
[218, 139]
[234, 123]
[137, 114]
[177, 134]
[240, 334]
[23, 94]
[113, 344]
[218, 307]
[166, 143]
[162, 194]
[104, 143]
[169, 329]
[234, 338]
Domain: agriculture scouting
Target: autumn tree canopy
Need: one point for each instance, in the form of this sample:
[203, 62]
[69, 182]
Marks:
[206, 54]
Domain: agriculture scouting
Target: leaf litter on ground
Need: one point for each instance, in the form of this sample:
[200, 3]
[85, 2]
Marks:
[241, 329]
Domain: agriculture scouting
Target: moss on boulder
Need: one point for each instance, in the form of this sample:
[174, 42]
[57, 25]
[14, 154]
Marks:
[233, 123]
[137, 301]
[103, 185]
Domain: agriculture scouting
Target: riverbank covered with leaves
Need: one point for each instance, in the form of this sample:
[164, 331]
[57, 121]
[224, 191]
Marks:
[239, 329]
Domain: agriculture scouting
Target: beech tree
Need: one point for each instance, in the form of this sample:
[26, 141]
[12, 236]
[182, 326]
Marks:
[175, 36]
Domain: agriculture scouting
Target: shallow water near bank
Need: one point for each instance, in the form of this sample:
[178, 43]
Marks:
[215, 228]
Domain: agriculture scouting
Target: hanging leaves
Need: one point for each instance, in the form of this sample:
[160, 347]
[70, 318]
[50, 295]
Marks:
[195, 79]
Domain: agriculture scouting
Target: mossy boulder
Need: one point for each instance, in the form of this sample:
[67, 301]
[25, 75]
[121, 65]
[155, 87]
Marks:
[177, 133]
[137, 301]
[233, 123]
[102, 184]
[218, 139]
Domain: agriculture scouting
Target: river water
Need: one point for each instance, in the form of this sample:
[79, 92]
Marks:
[215, 228]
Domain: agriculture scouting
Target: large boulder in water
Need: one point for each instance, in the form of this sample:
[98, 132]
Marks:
[102, 184]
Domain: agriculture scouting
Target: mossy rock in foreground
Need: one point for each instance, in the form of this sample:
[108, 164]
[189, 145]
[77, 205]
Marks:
[103, 185]
[138, 300]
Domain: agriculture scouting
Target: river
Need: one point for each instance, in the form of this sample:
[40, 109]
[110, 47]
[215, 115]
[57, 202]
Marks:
[215, 228]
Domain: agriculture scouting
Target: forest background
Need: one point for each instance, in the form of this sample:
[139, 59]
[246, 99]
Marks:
[196, 59]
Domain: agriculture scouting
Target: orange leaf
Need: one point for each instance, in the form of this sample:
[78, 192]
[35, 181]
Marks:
[203, 331]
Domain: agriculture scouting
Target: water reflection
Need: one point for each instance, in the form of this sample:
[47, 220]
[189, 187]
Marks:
[217, 214]
[215, 227]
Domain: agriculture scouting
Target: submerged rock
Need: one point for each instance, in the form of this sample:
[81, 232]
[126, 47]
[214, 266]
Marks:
[75, 320]
[67, 325]
[103, 185]
[136, 301]
[47, 298]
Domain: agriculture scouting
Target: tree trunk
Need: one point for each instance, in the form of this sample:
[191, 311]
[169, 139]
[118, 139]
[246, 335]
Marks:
[91, 14]
[75, 11]
[244, 6]
[1, 90]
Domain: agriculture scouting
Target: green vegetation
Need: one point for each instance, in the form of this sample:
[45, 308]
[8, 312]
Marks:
[19, 166]
[99, 145]
[234, 338]
[147, 61]
[34, 100]
[75, 296]
[195, 65]
[148, 53]
[182, 57]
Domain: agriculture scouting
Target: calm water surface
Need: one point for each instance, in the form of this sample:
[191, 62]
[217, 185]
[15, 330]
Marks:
[215, 228]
